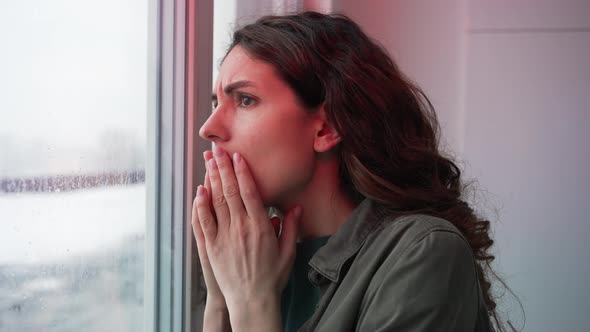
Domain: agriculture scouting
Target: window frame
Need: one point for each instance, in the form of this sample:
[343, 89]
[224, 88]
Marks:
[177, 107]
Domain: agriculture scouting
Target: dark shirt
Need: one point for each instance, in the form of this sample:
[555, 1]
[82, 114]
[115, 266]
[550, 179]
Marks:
[300, 296]
[385, 272]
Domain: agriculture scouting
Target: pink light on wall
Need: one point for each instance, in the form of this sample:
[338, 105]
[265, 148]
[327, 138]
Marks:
[322, 6]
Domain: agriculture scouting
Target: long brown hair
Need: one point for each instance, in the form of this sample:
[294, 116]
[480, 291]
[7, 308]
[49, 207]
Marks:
[390, 143]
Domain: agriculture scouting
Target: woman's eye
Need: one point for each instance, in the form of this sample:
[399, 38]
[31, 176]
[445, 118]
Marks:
[246, 101]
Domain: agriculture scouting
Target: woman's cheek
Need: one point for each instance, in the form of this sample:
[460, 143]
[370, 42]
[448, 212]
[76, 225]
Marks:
[270, 181]
[260, 174]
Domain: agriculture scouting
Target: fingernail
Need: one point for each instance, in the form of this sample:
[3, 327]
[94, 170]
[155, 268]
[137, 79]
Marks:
[237, 157]
[200, 191]
[207, 155]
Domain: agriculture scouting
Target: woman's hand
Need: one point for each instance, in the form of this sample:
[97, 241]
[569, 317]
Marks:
[250, 264]
[216, 314]
[213, 292]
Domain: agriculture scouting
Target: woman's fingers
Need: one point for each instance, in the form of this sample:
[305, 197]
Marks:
[200, 239]
[217, 197]
[207, 223]
[243, 261]
[207, 155]
[198, 232]
[230, 188]
[248, 191]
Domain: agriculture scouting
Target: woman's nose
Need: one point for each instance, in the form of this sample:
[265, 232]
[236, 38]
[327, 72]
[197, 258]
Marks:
[213, 129]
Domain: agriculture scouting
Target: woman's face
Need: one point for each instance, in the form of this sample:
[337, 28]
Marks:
[259, 116]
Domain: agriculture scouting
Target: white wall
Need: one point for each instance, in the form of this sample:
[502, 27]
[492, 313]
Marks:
[526, 138]
[511, 82]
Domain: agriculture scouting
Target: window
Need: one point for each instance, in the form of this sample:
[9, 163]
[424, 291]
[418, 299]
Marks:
[72, 170]
[99, 162]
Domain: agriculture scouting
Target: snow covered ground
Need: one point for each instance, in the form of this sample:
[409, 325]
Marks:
[72, 261]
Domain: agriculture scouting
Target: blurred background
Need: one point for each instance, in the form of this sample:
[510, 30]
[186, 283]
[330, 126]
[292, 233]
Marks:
[510, 81]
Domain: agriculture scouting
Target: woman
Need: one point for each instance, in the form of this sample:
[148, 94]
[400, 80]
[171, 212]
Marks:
[313, 118]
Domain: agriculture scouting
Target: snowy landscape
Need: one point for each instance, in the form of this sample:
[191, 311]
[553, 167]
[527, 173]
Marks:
[72, 261]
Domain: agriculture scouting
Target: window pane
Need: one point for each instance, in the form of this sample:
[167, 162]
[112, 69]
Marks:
[72, 160]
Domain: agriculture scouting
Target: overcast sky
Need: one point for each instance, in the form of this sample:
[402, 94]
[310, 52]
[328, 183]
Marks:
[71, 70]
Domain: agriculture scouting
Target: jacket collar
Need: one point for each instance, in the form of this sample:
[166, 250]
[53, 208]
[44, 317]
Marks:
[348, 239]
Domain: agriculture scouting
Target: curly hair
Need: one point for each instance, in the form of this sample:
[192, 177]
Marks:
[390, 133]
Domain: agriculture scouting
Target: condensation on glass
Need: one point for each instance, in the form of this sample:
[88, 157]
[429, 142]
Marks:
[72, 165]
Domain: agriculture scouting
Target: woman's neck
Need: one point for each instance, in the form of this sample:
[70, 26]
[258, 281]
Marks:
[325, 205]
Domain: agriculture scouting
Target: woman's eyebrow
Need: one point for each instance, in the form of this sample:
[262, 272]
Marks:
[230, 88]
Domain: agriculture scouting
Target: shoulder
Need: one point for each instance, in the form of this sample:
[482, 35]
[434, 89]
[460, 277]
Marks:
[404, 232]
[425, 276]
[417, 248]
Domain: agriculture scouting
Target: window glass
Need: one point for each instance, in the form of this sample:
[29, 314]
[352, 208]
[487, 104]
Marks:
[72, 165]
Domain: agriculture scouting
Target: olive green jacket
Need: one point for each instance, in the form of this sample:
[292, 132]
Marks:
[383, 272]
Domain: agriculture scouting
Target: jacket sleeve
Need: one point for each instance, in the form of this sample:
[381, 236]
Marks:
[432, 286]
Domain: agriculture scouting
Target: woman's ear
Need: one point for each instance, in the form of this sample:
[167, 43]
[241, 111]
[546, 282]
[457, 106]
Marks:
[326, 135]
